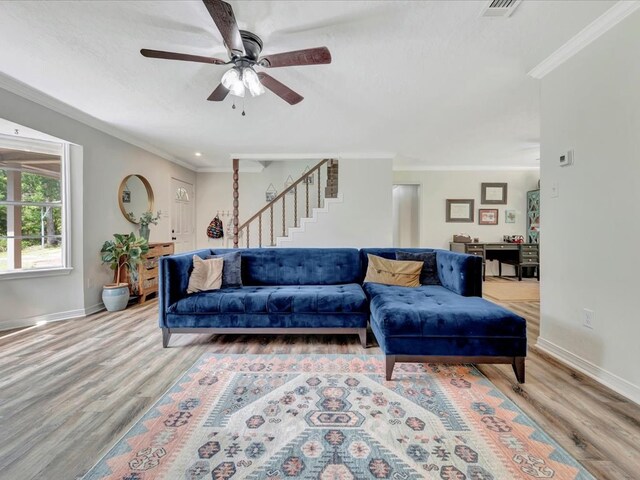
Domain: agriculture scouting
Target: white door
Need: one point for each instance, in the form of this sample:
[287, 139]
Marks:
[406, 216]
[182, 213]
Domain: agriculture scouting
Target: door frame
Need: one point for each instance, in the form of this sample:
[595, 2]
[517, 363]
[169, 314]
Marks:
[420, 188]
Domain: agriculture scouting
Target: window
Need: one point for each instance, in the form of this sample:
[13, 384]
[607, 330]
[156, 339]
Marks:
[32, 206]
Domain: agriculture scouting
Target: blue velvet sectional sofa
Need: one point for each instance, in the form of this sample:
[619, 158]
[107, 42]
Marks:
[321, 290]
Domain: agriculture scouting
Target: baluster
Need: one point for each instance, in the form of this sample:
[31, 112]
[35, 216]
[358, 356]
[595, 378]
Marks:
[307, 185]
[271, 209]
[319, 169]
[284, 213]
[260, 230]
[247, 235]
[295, 206]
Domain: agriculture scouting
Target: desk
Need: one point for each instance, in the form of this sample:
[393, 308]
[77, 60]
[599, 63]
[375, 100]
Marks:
[521, 255]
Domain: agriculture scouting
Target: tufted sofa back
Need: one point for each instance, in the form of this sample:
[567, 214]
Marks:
[299, 266]
[458, 272]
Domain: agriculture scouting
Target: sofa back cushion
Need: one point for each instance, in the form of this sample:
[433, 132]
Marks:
[298, 266]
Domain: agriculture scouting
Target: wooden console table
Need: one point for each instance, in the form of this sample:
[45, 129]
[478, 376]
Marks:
[147, 281]
[520, 255]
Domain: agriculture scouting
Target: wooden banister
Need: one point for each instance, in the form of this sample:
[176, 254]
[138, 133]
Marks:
[269, 206]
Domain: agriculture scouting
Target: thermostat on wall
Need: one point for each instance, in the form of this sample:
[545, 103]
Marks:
[566, 159]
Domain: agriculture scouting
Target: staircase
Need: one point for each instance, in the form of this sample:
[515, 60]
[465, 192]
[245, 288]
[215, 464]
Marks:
[307, 200]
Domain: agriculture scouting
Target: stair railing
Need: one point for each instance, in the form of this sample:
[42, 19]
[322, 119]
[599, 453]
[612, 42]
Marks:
[243, 230]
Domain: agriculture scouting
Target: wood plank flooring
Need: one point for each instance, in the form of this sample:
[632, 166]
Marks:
[69, 390]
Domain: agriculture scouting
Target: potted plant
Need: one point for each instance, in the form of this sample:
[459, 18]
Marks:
[125, 252]
[146, 219]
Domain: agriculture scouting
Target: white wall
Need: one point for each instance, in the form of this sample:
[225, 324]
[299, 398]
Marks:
[363, 219]
[438, 186]
[95, 179]
[591, 104]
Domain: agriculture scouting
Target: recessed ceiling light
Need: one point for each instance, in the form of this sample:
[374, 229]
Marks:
[198, 154]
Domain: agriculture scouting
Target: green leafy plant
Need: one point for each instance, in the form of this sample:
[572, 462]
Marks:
[124, 250]
[146, 218]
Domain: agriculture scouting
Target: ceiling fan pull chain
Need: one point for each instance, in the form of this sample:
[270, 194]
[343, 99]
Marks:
[233, 107]
[243, 114]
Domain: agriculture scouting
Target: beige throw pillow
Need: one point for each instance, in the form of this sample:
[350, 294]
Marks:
[393, 272]
[206, 275]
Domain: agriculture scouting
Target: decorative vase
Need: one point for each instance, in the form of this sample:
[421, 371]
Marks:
[144, 232]
[116, 296]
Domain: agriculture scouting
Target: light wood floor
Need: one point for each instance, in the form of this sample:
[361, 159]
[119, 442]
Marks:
[69, 390]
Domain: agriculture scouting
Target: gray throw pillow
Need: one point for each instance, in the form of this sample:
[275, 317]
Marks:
[429, 273]
[231, 270]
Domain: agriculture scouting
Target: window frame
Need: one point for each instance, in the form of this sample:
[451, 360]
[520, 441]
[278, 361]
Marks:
[65, 207]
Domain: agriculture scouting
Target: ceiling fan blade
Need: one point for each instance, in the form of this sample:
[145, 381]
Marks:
[223, 17]
[280, 89]
[310, 56]
[180, 56]
[219, 94]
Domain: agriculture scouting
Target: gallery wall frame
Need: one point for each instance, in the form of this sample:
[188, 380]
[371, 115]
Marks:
[493, 194]
[460, 210]
[488, 216]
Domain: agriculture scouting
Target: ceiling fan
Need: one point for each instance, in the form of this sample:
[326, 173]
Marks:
[244, 54]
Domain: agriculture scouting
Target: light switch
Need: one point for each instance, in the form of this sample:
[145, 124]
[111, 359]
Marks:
[555, 190]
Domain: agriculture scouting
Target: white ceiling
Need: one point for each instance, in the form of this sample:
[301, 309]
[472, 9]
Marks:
[432, 82]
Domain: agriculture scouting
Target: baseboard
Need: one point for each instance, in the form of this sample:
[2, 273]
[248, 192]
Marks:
[50, 317]
[606, 378]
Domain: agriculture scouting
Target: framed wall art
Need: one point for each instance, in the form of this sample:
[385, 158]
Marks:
[459, 211]
[488, 216]
[494, 194]
[509, 216]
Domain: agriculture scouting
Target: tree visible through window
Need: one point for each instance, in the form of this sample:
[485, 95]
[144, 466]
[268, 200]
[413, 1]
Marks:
[31, 207]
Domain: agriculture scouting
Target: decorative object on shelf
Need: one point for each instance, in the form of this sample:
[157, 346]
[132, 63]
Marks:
[271, 193]
[513, 239]
[215, 228]
[288, 183]
[145, 220]
[460, 211]
[509, 216]
[533, 216]
[476, 239]
[122, 254]
[488, 216]
[308, 180]
[136, 193]
[462, 238]
[494, 194]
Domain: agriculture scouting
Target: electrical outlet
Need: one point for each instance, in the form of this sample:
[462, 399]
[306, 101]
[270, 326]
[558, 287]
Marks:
[588, 317]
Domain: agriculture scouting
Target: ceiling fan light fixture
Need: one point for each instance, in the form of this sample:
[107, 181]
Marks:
[252, 82]
[232, 81]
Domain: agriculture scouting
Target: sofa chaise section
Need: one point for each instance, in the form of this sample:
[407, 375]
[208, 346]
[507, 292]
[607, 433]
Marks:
[448, 323]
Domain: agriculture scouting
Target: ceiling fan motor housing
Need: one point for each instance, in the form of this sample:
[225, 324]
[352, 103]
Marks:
[252, 45]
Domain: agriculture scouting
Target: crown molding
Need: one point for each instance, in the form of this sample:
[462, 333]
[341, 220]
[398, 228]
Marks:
[591, 32]
[25, 91]
[311, 156]
[464, 168]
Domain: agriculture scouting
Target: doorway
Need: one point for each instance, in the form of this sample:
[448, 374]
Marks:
[406, 215]
[182, 213]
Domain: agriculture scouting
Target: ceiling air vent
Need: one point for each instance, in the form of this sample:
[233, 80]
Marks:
[500, 8]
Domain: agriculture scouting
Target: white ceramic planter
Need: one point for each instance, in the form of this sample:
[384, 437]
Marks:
[115, 297]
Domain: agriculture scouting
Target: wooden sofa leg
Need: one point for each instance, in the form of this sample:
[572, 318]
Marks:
[363, 337]
[166, 335]
[518, 368]
[390, 361]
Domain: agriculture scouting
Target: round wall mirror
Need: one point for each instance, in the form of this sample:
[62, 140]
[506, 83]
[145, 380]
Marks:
[135, 197]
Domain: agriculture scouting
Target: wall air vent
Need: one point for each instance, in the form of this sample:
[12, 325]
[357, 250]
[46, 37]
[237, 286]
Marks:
[500, 8]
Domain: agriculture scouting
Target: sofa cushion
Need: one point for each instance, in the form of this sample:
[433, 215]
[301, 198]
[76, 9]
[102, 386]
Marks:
[206, 275]
[275, 299]
[429, 272]
[231, 269]
[434, 311]
[393, 272]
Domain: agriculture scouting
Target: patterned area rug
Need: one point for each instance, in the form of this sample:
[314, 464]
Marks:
[280, 417]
